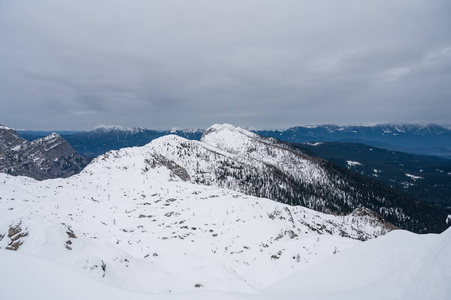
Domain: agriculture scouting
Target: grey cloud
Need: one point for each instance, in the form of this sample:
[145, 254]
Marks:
[75, 64]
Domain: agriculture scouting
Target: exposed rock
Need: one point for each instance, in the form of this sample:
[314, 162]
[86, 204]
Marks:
[15, 234]
[44, 158]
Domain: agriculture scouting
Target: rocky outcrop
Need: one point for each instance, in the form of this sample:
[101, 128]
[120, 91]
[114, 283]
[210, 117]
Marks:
[44, 158]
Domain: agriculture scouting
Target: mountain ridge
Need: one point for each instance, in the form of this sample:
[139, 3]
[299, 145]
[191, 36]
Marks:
[426, 139]
[419, 138]
[267, 168]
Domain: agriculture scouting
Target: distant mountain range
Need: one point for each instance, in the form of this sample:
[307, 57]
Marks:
[430, 139]
[102, 139]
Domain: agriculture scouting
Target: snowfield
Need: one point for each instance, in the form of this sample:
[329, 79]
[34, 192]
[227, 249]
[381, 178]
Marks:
[134, 224]
[353, 163]
[414, 177]
[155, 233]
[399, 265]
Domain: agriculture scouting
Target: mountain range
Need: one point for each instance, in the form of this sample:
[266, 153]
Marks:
[103, 138]
[181, 219]
[423, 139]
[237, 159]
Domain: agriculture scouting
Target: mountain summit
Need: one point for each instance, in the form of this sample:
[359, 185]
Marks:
[233, 158]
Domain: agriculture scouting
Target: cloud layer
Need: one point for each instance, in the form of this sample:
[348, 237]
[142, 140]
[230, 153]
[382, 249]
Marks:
[268, 64]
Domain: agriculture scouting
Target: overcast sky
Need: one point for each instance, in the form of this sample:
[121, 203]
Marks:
[71, 65]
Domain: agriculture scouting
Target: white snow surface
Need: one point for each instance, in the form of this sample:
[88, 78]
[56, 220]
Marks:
[414, 177]
[314, 144]
[228, 144]
[353, 163]
[400, 265]
[3, 127]
[156, 233]
[51, 136]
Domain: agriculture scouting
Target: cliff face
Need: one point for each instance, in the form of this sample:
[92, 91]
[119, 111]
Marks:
[44, 158]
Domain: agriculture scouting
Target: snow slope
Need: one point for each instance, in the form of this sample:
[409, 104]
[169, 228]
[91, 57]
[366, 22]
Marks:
[155, 233]
[399, 265]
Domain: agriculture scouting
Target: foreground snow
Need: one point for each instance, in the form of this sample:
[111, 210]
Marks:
[400, 265]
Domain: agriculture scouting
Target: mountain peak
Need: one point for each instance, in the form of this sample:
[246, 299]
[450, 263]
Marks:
[3, 127]
[52, 136]
[185, 130]
[223, 126]
[47, 157]
[227, 136]
[109, 128]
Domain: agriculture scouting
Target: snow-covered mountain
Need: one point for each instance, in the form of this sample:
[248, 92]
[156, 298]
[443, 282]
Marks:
[240, 160]
[159, 219]
[364, 131]
[237, 159]
[47, 157]
[425, 139]
[104, 138]
[117, 128]
[148, 230]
